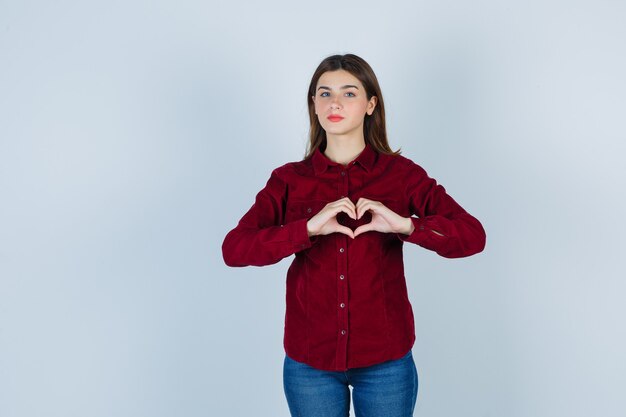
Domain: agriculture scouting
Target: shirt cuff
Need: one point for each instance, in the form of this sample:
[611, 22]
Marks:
[417, 236]
[299, 235]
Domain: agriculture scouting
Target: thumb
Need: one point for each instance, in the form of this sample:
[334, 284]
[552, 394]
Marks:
[345, 230]
[364, 228]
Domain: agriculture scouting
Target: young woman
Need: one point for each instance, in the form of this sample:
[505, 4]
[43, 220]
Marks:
[345, 211]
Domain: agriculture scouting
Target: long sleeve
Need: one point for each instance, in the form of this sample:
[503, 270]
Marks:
[346, 300]
[443, 225]
[260, 237]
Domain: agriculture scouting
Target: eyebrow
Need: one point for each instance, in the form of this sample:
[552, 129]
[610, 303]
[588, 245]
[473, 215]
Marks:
[343, 87]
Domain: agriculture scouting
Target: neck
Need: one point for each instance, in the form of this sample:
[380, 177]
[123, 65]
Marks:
[342, 150]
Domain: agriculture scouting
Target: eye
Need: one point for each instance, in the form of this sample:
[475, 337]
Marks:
[324, 92]
[350, 95]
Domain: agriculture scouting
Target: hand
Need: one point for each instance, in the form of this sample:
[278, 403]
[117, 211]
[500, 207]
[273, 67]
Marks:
[325, 222]
[384, 219]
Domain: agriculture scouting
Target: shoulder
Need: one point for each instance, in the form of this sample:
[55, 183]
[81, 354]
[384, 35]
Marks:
[286, 175]
[402, 163]
[293, 169]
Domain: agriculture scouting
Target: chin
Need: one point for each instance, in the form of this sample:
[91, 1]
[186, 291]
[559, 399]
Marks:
[336, 130]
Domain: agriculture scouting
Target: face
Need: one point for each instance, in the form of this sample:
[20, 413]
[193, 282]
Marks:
[339, 93]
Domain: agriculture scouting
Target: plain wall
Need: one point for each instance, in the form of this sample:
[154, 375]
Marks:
[135, 134]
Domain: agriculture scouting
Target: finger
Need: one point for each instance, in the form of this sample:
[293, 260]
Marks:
[347, 207]
[345, 200]
[364, 228]
[374, 206]
[358, 204]
[336, 207]
[350, 211]
[357, 208]
[362, 208]
[349, 203]
[346, 231]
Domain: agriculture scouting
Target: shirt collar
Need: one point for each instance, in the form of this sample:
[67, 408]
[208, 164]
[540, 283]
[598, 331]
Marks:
[366, 159]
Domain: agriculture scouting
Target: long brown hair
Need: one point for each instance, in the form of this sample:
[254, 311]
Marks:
[374, 129]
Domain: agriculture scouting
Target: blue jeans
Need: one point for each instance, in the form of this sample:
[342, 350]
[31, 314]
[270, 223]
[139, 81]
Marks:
[387, 389]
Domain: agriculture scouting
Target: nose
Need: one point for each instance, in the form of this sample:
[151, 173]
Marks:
[335, 104]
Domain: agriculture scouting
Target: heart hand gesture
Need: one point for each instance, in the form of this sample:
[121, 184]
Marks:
[384, 220]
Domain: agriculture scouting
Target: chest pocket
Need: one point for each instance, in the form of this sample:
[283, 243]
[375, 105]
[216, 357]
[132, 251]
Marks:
[297, 210]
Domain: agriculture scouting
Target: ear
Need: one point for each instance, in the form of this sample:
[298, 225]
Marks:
[372, 105]
[313, 99]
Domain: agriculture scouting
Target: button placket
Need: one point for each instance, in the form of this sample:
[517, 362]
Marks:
[342, 282]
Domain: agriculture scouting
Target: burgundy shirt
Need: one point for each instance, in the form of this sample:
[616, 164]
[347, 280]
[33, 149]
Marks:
[347, 304]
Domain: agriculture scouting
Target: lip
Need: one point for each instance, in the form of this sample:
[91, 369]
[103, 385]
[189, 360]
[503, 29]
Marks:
[335, 118]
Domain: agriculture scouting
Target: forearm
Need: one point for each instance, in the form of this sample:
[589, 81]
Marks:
[251, 246]
[457, 237]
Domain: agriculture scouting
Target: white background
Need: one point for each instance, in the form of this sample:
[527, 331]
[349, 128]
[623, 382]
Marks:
[135, 134]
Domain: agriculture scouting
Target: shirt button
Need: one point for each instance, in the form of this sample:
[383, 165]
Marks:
[341, 250]
[342, 305]
[341, 276]
[343, 173]
[342, 196]
[421, 227]
[343, 332]
[308, 210]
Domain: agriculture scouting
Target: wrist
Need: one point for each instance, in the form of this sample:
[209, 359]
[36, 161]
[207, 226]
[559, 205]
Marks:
[409, 228]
